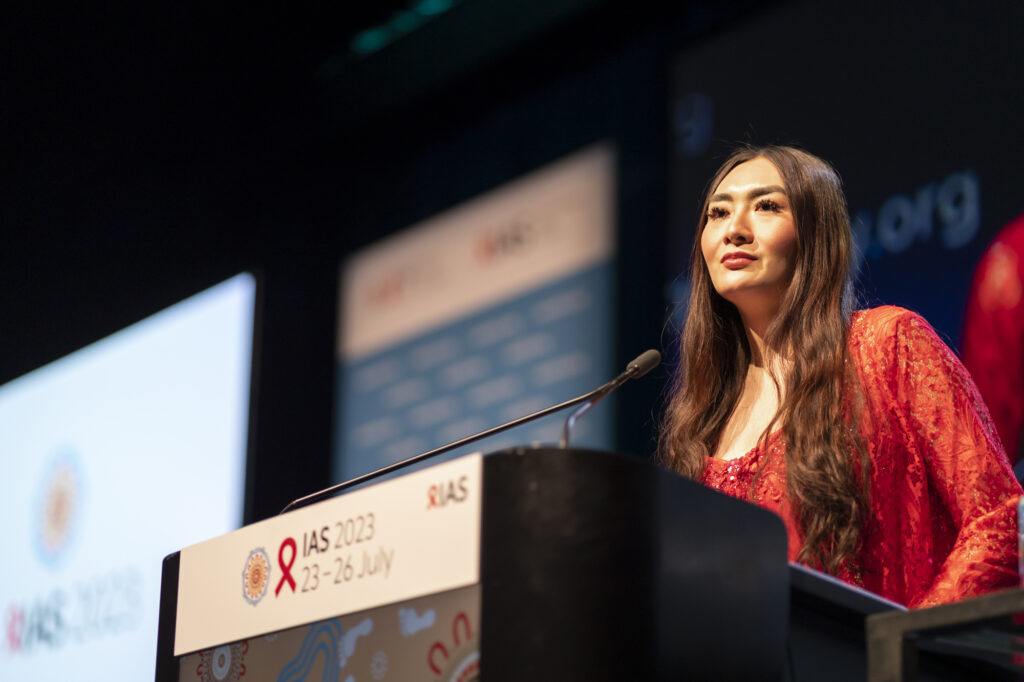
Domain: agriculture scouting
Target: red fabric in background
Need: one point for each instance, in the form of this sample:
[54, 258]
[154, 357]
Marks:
[942, 494]
[992, 342]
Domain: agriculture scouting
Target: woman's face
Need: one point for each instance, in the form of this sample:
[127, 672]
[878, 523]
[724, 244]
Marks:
[749, 241]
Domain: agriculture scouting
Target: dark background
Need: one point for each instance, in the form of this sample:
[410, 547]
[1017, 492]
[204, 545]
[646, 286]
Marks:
[910, 102]
[151, 152]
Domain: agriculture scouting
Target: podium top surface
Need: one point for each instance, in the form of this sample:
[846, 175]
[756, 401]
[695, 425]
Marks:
[984, 633]
[808, 584]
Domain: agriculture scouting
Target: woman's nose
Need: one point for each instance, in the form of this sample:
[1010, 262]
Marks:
[738, 230]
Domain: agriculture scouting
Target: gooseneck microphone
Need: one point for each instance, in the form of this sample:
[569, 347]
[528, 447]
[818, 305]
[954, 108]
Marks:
[640, 366]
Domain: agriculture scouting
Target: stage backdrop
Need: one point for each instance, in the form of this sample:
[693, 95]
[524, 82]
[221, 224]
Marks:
[916, 104]
[494, 309]
[113, 457]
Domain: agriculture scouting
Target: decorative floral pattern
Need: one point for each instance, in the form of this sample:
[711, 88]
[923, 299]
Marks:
[224, 663]
[379, 665]
[59, 506]
[256, 575]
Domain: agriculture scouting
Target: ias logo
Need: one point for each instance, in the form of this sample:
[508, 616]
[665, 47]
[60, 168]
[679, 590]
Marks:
[513, 238]
[448, 492]
[256, 576]
[58, 506]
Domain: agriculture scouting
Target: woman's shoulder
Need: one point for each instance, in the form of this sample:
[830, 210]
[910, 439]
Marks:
[889, 332]
[886, 321]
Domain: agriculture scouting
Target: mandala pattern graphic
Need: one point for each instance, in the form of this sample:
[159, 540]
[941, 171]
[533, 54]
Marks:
[60, 501]
[379, 665]
[57, 506]
[224, 663]
[256, 576]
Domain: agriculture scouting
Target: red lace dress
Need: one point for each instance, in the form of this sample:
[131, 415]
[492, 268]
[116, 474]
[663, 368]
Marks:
[942, 494]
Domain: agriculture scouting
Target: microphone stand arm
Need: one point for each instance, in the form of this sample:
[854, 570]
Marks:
[589, 398]
[640, 366]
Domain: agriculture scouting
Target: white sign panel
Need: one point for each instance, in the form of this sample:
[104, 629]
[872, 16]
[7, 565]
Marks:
[525, 234]
[98, 453]
[401, 539]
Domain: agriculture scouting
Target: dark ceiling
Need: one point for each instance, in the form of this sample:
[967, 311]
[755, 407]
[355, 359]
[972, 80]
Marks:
[118, 84]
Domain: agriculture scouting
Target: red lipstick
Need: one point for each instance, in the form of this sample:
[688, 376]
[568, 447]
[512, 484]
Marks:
[737, 260]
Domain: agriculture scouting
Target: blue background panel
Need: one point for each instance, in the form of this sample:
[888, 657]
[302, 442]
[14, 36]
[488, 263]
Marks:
[485, 369]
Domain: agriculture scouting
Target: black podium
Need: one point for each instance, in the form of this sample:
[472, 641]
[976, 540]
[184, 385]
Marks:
[591, 566]
[827, 637]
[976, 639]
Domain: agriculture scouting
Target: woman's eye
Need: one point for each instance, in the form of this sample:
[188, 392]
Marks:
[768, 205]
[716, 213]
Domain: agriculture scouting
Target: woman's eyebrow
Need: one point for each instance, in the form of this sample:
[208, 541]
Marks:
[752, 194]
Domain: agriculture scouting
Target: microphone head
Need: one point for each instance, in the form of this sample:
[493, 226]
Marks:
[644, 363]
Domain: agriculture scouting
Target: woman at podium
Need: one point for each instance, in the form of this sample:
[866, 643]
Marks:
[861, 430]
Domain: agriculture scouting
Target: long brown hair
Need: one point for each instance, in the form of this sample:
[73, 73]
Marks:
[825, 465]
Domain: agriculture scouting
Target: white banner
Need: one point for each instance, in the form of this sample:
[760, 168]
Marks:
[527, 233]
[405, 538]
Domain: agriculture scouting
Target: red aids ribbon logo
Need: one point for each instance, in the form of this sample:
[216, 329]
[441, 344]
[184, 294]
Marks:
[15, 626]
[286, 568]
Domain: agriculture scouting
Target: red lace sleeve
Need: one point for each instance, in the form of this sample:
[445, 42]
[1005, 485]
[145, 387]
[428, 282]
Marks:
[947, 429]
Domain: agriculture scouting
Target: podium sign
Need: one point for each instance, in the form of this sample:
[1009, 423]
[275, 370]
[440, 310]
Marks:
[529, 562]
[401, 539]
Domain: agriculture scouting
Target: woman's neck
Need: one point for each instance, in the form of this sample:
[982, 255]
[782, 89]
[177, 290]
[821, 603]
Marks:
[761, 355]
[756, 328]
[758, 350]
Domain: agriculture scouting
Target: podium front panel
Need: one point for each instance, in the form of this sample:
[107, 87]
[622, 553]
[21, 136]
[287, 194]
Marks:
[430, 637]
[546, 563]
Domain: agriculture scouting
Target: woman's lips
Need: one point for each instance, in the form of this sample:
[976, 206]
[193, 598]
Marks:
[737, 260]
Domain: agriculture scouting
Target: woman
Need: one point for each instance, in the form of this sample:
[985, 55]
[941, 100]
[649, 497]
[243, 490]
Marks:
[862, 431]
